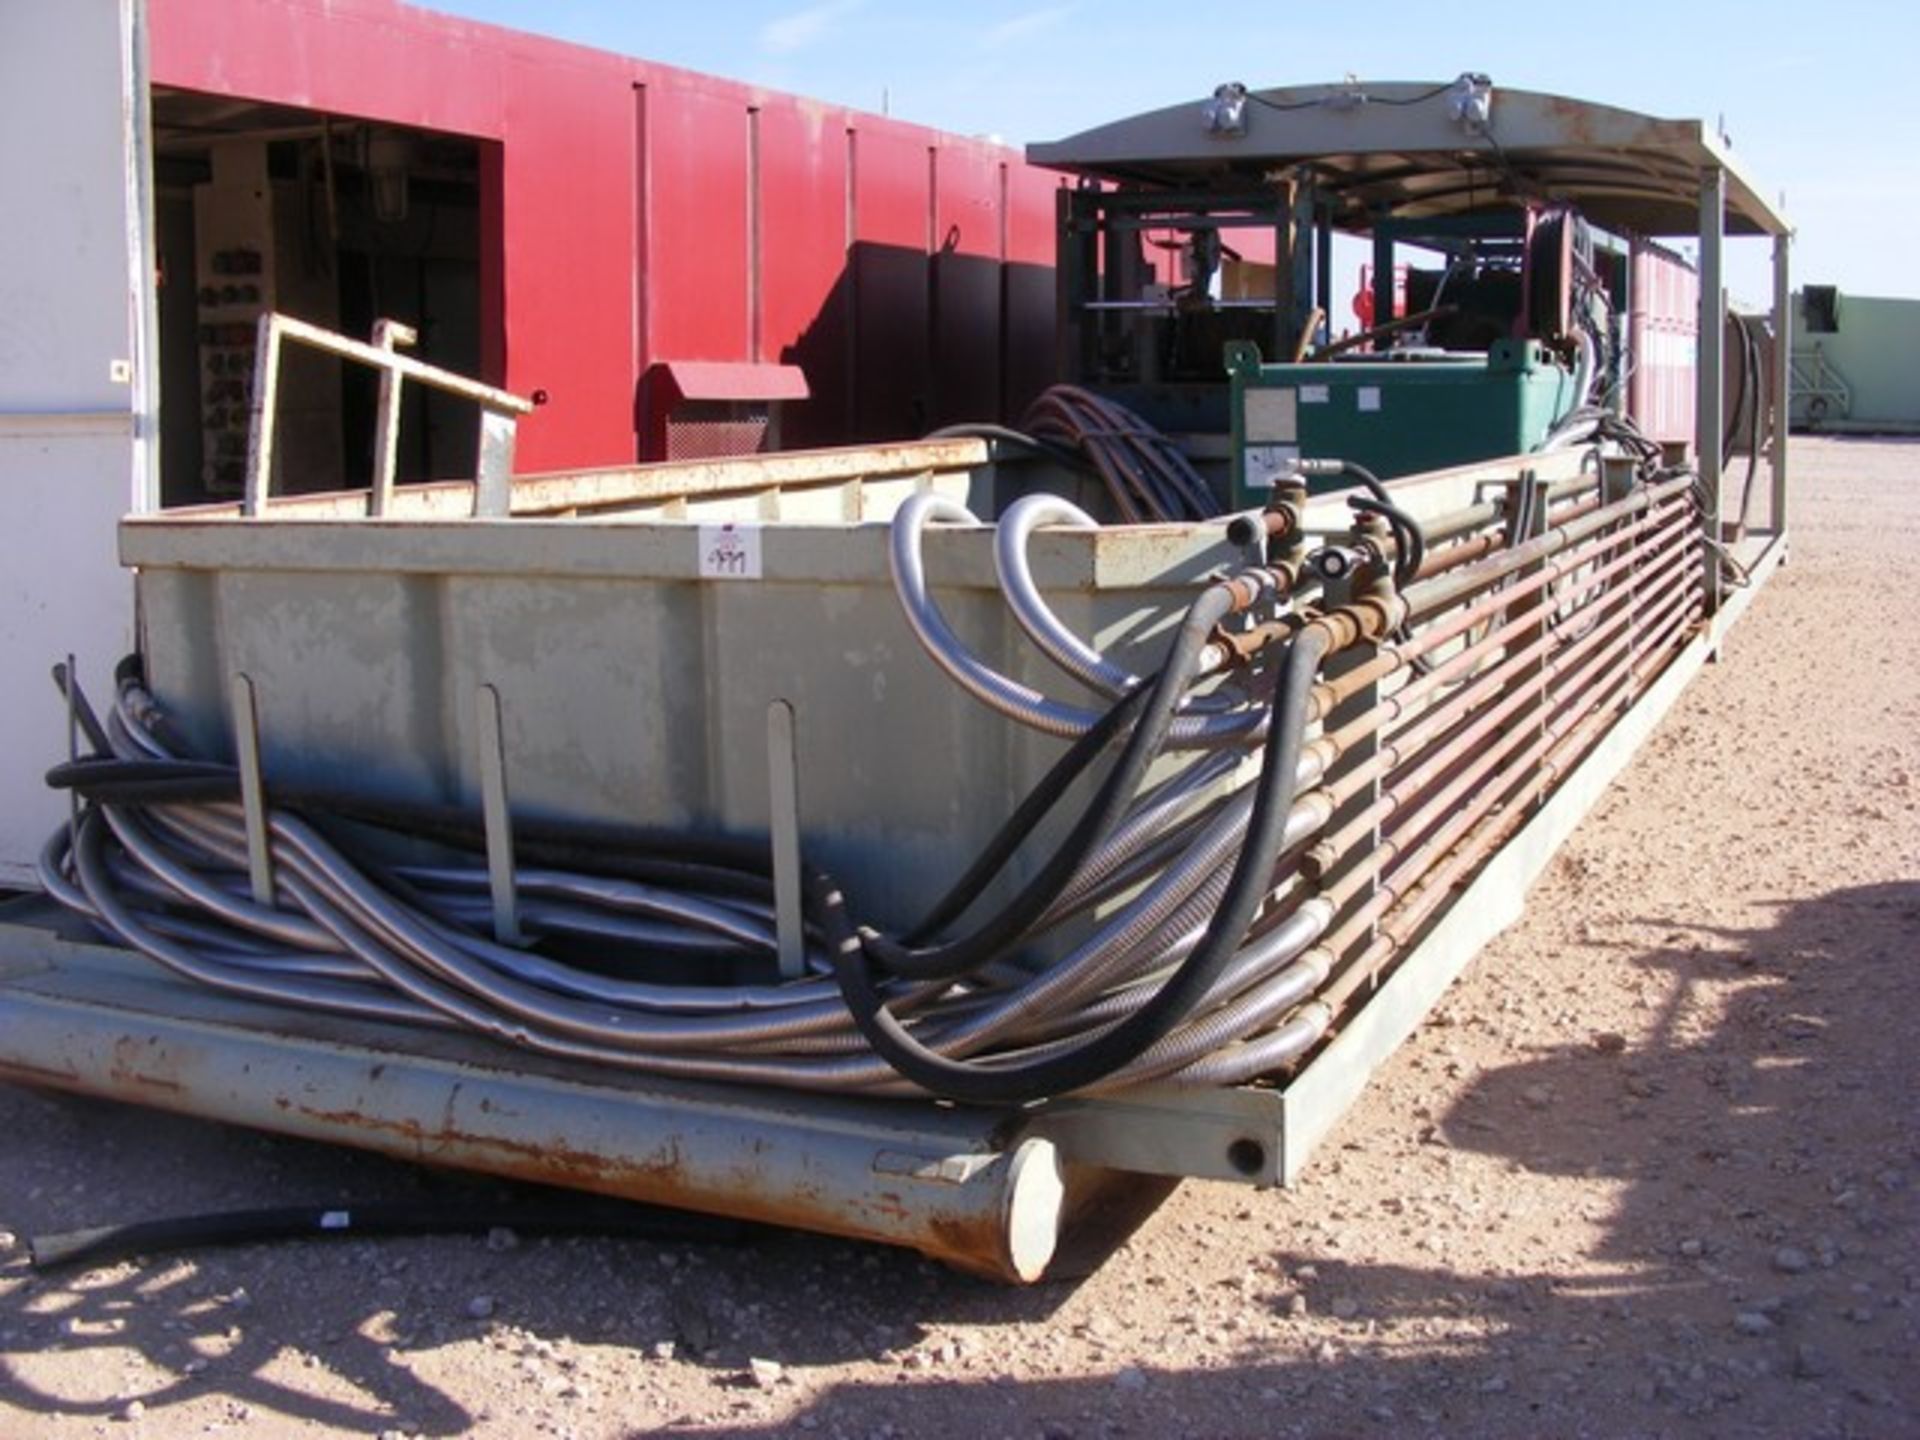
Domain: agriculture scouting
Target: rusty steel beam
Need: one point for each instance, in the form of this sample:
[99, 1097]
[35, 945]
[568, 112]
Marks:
[955, 1184]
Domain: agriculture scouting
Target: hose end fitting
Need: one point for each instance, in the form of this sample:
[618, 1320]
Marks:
[1337, 562]
[1316, 861]
[1244, 530]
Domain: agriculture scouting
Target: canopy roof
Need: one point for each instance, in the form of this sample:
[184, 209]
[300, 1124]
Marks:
[1406, 148]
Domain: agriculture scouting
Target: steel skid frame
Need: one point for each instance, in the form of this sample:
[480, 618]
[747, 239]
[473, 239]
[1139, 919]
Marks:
[1008, 1193]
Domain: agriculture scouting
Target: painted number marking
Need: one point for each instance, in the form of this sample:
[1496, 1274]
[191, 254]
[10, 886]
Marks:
[730, 552]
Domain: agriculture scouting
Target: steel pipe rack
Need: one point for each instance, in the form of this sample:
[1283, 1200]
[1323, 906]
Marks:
[1448, 738]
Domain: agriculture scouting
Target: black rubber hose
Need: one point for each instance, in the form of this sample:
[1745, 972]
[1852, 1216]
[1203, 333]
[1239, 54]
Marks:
[1411, 551]
[1730, 418]
[1410, 548]
[1112, 1049]
[582, 1216]
[954, 958]
[1035, 445]
[131, 673]
[717, 864]
[1413, 540]
[1756, 423]
[1031, 811]
[109, 779]
[1354, 468]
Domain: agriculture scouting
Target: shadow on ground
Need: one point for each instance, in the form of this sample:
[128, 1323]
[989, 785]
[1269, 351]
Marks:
[1752, 1274]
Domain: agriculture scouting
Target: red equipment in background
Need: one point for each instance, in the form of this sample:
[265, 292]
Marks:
[1363, 297]
[635, 216]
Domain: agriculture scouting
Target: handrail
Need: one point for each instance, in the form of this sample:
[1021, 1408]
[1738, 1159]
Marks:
[499, 411]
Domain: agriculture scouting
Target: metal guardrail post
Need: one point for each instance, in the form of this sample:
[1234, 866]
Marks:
[493, 468]
[1782, 376]
[260, 428]
[388, 335]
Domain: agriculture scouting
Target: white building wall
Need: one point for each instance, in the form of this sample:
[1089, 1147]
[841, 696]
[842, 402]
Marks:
[76, 388]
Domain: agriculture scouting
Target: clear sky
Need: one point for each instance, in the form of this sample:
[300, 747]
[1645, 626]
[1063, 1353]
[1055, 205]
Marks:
[1819, 98]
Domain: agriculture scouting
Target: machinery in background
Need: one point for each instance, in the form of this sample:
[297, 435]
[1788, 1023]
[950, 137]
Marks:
[1199, 234]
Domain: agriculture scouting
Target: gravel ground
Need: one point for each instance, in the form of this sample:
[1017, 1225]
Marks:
[1649, 1170]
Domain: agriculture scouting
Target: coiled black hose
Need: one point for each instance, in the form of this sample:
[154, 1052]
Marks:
[1032, 809]
[1111, 1049]
[955, 958]
[1410, 548]
[1410, 540]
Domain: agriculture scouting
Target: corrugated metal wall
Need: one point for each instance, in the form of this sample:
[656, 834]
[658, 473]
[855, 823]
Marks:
[639, 214]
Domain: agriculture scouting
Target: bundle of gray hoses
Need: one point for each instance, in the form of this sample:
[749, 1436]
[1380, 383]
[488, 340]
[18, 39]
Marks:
[1182, 941]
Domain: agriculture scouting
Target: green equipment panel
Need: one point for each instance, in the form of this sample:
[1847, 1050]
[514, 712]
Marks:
[1396, 417]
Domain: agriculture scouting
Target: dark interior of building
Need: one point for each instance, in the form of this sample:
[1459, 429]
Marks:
[331, 220]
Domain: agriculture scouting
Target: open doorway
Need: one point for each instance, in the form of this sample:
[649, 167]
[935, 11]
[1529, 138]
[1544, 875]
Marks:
[333, 220]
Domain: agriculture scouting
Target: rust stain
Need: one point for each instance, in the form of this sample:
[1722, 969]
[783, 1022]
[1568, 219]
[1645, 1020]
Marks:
[1573, 118]
[134, 1084]
[977, 1250]
[25, 1074]
[967, 1244]
[136, 1069]
[552, 1160]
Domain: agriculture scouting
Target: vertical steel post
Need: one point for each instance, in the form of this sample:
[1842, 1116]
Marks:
[1286, 269]
[1782, 375]
[783, 824]
[1323, 282]
[387, 335]
[69, 682]
[1077, 258]
[1302, 197]
[266, 380]
[1382, 275]
[1709, 377]
[497, 815]
[493, 464]
[253, 790]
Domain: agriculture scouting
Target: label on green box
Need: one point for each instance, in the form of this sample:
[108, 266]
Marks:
[1272, 417]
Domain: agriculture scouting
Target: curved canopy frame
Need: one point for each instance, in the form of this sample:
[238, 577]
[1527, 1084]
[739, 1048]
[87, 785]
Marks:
[1414, 149]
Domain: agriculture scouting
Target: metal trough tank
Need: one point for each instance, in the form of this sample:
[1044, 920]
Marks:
[586, 842]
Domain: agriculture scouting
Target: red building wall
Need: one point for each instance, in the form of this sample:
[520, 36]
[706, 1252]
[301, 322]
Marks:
[647, 214]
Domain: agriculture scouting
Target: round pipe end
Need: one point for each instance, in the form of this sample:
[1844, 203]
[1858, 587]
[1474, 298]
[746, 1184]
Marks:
[1036, 1194]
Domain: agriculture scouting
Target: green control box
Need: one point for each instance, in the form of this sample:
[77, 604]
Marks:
[1396, 417]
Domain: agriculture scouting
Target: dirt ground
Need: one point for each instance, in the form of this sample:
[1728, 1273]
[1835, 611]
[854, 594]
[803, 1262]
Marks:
[1650, 1170]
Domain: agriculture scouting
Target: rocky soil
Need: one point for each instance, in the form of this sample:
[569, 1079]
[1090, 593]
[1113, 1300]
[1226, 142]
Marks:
[1651, 1169]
